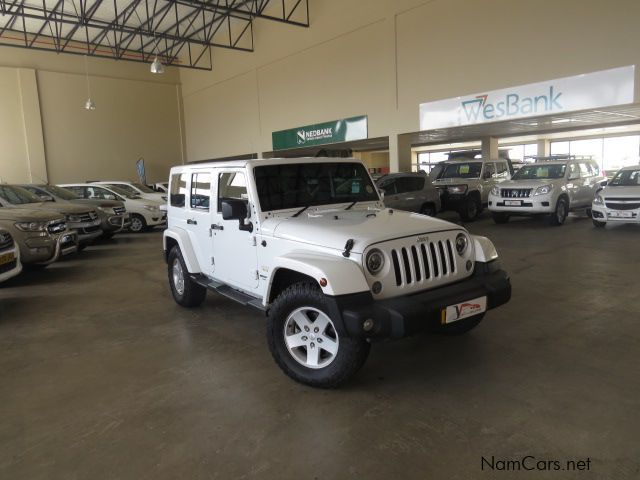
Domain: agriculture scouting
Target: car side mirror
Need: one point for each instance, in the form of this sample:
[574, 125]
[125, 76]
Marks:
[381, 192]
[46, 198]
[487, 175]
[236, 209]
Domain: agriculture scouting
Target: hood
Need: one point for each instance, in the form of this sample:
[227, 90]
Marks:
[64, 208]
[528, 183]
[621, 192]
[18, 214]
[333, 228]
[96, 202]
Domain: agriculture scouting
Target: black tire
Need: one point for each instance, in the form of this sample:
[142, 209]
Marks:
[190, 294]
[35, 267]
[560, 214]
[351, 352]
[470, 208]
[500, 217]
[589, 213]
[138, 223]
[598, 224]
[460, 327]
[107, 235]
[428, 209]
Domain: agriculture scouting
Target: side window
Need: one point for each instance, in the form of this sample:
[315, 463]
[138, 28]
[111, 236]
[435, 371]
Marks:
[178, 190]
[403, 185]
[573, 171]
[489, 171]
[200, 191]
[595, 168]
[417, 183]
[585, 170]
[80, 191]
[231, 185]
[502, 170]
[101, 193]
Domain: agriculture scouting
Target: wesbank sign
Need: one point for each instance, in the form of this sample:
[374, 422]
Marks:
[336, 131]
[581, 92]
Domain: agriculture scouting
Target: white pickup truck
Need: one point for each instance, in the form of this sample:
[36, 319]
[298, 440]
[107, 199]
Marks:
[310, 243]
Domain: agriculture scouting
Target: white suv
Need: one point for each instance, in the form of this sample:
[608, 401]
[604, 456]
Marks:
[144, 213]
[552, 186]
[309, 242]
[619, 202]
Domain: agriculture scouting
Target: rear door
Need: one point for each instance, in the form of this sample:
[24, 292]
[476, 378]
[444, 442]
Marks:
[198, 216]
[574, 183]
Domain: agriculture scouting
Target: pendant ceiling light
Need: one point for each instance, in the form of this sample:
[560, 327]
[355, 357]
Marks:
[89, 104]
[156, 65]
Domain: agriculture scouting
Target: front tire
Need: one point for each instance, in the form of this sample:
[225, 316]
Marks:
[558, 217]
[470, 209]
[305, 343]
[138, 223]
[185, 291]
[460, 327]
[598, 224]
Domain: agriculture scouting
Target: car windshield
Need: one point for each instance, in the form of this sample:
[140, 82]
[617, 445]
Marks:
[535, 172]
[59, 192]
[312, 184]
[124, 193]
[626, 178]
[462, 170]
[18, 195]
[143, 188]
[124, 188]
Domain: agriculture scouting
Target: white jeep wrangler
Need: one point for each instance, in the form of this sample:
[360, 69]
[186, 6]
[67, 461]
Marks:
[309, 242]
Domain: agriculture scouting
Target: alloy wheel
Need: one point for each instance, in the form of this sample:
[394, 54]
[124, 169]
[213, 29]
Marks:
[311, 337]
[178, 276]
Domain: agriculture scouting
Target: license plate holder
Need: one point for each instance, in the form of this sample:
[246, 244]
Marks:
[7, 258]
[462, 310]
[621, 214]
[513, 203]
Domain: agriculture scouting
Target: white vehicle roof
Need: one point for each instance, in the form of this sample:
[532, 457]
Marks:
[632, 167]
[263, 161]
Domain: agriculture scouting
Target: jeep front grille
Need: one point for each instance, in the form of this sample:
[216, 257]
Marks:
[423, 261]
[515, 192]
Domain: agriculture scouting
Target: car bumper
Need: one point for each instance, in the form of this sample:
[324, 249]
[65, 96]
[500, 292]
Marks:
[604, 214]
[116, 223]
[12, 267]
[528, 206]
[403, 316]
[156, 220]
[45, 250]
[87, 231]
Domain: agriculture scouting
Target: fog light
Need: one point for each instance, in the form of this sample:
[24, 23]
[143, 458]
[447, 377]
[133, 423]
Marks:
[469, 265]
[376, 287]
[367, 325]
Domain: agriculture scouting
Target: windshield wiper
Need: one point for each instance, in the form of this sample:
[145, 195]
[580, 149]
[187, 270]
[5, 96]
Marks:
[352, 204]
[300, 211]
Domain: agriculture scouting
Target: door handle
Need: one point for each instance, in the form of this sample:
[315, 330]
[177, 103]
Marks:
[192, 222]
[217, 227]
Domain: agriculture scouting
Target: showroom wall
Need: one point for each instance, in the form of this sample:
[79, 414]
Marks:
[46, 133]
[382, 58]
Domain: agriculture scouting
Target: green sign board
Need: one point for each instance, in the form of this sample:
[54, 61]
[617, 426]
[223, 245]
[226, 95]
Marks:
[345, 130]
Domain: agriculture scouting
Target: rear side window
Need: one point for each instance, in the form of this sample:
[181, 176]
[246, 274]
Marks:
[409, 184]
[178, 190]
[585, 169]
[502, 170]
[100, 193]
[200, 191]
[231, 185]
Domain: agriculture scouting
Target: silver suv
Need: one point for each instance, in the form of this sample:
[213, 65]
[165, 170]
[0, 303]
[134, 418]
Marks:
[552, 186]
[413, 192]
[466, 179]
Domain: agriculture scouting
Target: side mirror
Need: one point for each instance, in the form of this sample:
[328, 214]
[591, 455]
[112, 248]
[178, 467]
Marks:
[381, 192]
[487, 175]
[236, 209]
[46, 198]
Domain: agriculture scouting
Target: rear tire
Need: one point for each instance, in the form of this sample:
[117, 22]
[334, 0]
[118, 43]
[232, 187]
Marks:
[460, 327]
[138, 223]
[305, 343]
[598, 224]
[185, 291]
[500, 218]
[558, 217]
[470, 209]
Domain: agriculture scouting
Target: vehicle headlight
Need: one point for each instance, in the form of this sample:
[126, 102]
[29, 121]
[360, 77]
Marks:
[31, 226]
[598, 200]
[153, 208]
[457, 189]
[495, 191]
[543, 190]
[375, 261]
[462, 243]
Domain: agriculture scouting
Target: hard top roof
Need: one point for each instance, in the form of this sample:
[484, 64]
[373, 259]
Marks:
[263, 161]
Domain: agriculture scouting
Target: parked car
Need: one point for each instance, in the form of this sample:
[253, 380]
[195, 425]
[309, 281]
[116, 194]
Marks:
[619, 202]
[309, 242]
[134, 188]
[42, 236]
[82, 219]
[145, 214]
[10, 265]
[465, 180]
[162, 187]
[113, 214]
[412, 192]
[553, 186]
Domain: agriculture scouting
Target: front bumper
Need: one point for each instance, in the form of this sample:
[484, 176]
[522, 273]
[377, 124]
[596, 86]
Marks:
[116, 223]
[156, 219]
[403, 316]
[604, 214]
[9, 269]
[47, 249]
[87, 231]
[529, 205]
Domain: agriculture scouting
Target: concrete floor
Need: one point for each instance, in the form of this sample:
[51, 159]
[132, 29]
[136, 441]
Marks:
[103, 376]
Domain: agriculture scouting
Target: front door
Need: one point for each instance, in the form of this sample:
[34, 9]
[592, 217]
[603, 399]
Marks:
[234, 250]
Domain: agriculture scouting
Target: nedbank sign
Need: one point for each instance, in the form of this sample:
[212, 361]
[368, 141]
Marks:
[336, 131]
[581, 92]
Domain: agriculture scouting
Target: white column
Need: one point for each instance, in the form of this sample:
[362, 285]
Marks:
[490, 148]
[544, 147]
[32, 124]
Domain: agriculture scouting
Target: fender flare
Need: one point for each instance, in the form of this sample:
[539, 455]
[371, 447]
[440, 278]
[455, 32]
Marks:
[343, 276]
[181, 237]
[485, 251]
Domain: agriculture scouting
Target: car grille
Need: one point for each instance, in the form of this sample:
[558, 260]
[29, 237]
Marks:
[423, 261]
[119, 210]
[515, 192]
[57, 226]
[7, 267]
[88, 217]
[622, 203]
[6, 241]
[93, 229]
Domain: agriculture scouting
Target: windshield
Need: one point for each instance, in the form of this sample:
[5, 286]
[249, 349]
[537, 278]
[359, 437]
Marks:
[462, 170]
[18, 195]
[124, 193]
[626, 178]
[59, 192]
[124, 188]
[143, 188]
[311, 184]
[535, 172]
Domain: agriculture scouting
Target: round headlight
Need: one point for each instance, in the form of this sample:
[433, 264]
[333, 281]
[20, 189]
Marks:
[375, 261]
[462, 243]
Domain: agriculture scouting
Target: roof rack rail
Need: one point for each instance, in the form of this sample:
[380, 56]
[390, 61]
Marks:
[563, 156]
